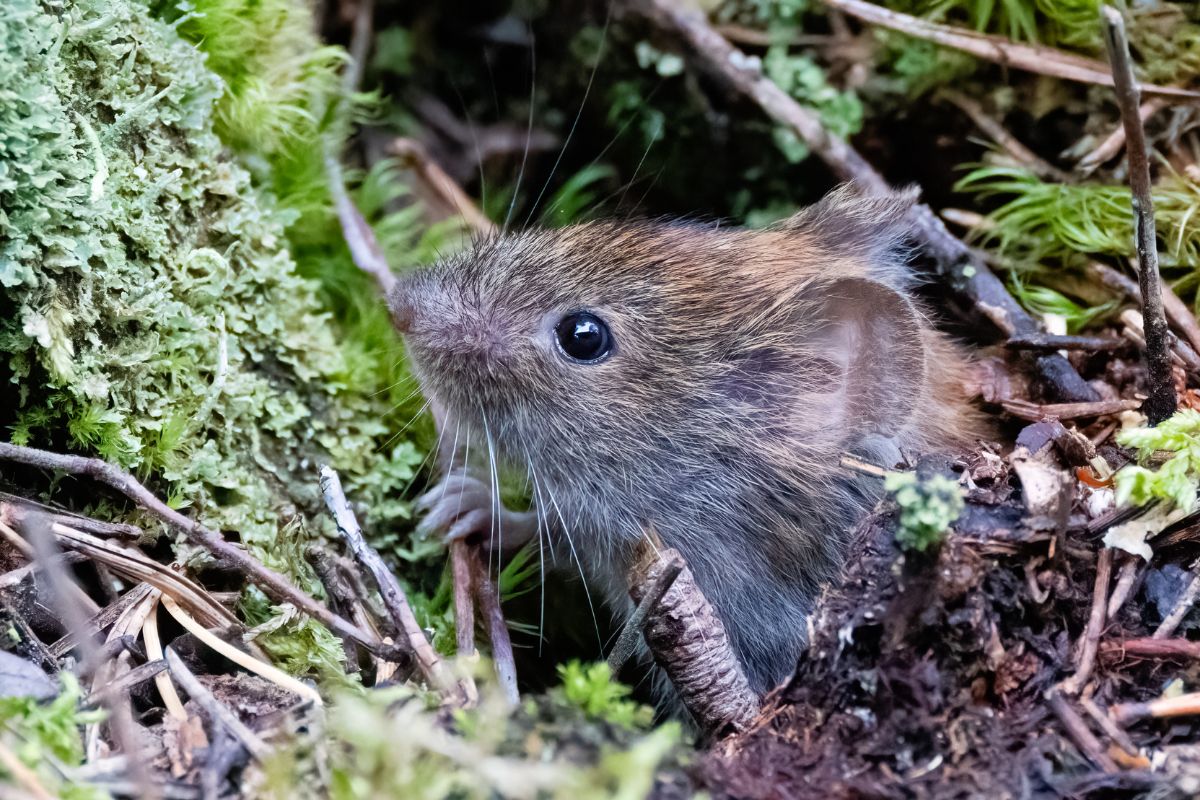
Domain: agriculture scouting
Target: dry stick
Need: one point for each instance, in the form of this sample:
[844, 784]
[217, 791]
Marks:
[218, 713]
[464, 606]
[364, 247]
[1114, 731]
[1162, 400]
[23, 774]
[1091, 639]
[488, 597]
[1035, 412]
[688, 640]
[632, 631]
[1079, 732]
[120, 686]
[962, 268]
[274, 585]
[394, 599]
[1182, 606]
[440, 185]
[1126, 577]
[1026, 157]
[38, 529]
[1051, 342]
[1113, 143]
[1147, 647]
[1177, 311]
[368, 256]
[1032, 58]
[1184, 705]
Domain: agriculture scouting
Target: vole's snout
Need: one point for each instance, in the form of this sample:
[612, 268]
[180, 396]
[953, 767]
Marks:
[440, 322]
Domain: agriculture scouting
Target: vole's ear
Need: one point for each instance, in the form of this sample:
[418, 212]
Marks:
[868, 230]
[872, 336]
[848, 362]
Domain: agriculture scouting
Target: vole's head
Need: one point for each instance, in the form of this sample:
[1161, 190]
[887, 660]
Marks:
[648, 349]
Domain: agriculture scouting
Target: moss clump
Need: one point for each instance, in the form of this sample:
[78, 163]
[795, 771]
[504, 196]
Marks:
[1056, 224]
[388, 744]
[1177, 476]
[37, 732]
[928, 507]
[153, 313]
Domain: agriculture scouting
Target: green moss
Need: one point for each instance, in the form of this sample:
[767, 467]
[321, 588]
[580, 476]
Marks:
[38, 732]
[592, 688]
[1061, 224]
[1175, 478]
[155, 312]
[928, 507]
[388, 743]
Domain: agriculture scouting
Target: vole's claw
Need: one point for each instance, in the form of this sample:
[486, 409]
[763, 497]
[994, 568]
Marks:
[462, 505]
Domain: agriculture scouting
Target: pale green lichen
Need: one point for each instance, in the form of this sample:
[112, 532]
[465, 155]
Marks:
[153, 313]
[928, 507]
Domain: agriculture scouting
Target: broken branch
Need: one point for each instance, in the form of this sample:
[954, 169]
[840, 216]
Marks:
[689, 643]
[1091, 638]
[394, 599]
[274, 585]
[1162, 400]
[488, 597]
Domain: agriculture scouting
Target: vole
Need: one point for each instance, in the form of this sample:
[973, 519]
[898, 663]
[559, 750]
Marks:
[699, 379]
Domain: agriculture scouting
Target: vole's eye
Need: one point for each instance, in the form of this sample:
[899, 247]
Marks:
[583, 337]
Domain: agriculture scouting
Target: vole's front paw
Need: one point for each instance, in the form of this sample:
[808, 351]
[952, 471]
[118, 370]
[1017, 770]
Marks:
[462, 505]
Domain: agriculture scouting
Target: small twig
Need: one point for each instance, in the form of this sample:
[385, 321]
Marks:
[1162, 401]
[1091, 640]
[1177, 311]
[632, 631]
[689, 642]
[274, 585]
[464, 606]
[1022, 154]
[441, 186]
[218, 713]
[1182, 606]
[360, 46]
[154, 647]
[1050, 342]
[488, 597]
[1106, 723]
[1060, 411]
[862, 467]
[120, 686]
[26, 777]
[1148, 647]
[39, 531]
[364, 247]
[1126, 577]
[1113, 143]
[1184, 705]
[1079, 732]
[394, 599]
[997, 49]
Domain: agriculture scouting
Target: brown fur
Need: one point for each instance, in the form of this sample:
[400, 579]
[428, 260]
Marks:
[745, 363]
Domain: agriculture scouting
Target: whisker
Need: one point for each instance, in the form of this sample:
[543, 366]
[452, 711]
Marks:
[579, 564]
[578, 114]
[420, 412]
[542, 530]
[496, 532]
[512, 203]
